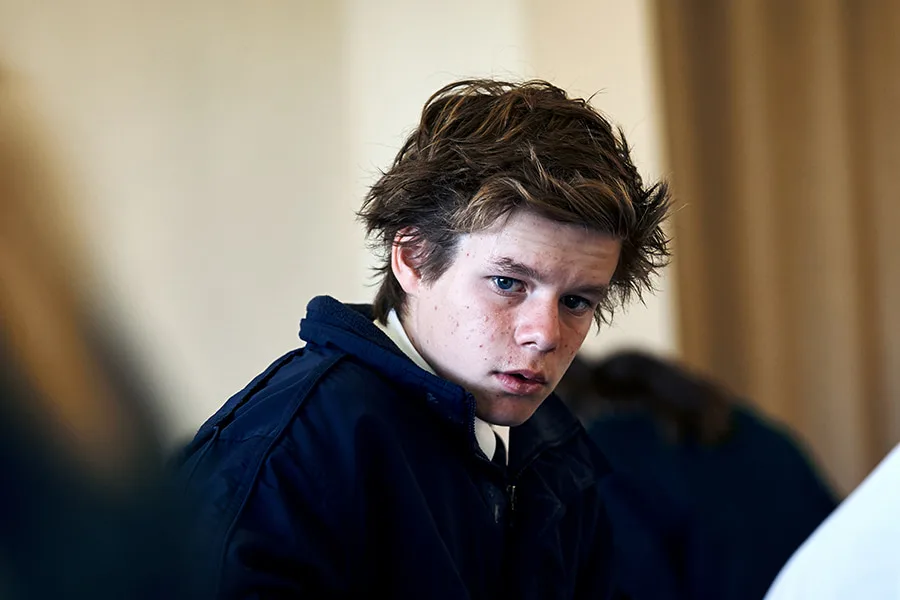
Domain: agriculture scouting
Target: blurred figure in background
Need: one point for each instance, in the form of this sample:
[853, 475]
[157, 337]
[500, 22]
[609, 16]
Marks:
[708, 494]
[83, 511]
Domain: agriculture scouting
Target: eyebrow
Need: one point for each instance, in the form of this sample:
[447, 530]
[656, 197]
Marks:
[519, 270]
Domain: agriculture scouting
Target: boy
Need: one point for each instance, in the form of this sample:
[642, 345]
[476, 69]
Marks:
[413, 448]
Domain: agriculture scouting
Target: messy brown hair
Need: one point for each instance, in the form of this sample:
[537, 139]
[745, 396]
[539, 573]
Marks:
[484, 149]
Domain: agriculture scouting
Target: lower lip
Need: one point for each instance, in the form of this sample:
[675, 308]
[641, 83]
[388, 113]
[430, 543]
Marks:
[519, 386]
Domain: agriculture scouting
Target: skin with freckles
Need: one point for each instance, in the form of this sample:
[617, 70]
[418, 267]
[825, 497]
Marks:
[507, 317]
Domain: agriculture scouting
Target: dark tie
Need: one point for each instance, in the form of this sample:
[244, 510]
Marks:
[499, 457]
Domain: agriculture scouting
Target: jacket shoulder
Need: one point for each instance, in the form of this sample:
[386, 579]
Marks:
[328, 388]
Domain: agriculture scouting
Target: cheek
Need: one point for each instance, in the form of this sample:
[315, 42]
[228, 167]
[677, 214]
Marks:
[488, 325]
[574, 337]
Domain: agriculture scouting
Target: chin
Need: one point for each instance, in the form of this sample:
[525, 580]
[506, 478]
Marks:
[509, 421]
[509, 411]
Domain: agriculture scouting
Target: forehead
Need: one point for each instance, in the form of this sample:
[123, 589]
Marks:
[564, 249]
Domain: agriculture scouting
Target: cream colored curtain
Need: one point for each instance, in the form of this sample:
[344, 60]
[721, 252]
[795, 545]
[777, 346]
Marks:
[783, 122]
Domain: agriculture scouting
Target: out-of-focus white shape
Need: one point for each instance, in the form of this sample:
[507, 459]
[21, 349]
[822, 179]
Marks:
[855, 553]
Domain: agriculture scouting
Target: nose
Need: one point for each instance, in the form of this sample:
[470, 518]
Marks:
[538, 324]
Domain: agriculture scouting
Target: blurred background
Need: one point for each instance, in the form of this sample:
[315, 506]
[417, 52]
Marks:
[215, 152]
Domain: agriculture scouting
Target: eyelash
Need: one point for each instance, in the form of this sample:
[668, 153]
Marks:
[585, 305]
[495, 280]
[517, 286]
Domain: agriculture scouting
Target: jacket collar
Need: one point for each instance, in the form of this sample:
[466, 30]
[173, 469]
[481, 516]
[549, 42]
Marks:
[349, 328]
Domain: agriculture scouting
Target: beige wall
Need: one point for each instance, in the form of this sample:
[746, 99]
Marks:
[210, 147]
[222, 147]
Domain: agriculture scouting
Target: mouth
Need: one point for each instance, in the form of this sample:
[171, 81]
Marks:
[522, 382]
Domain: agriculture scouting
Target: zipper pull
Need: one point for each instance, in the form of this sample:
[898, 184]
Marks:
[511, 495]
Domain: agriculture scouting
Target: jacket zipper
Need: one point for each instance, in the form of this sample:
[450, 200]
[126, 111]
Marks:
[510, 488]
[511, 503]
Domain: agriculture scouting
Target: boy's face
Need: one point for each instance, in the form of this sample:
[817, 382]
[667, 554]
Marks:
[507, 317]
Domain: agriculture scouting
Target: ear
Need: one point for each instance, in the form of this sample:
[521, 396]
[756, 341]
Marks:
[403, 262]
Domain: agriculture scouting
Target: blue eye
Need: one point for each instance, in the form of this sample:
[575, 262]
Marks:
[576, 303]
[506, 284]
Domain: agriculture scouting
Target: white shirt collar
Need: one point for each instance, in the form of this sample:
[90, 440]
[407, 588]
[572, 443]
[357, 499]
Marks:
[484, 431]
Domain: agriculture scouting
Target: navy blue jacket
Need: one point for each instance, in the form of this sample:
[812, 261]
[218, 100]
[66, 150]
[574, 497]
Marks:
[344, 470]
[713, 521]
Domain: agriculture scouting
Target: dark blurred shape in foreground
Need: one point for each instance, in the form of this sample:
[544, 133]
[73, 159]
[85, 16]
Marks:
[85, 510]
